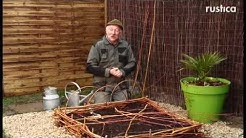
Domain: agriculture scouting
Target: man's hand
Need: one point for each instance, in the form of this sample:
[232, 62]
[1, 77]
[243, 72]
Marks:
[116, 72]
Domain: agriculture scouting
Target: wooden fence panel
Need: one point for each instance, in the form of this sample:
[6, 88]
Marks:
[45, 43]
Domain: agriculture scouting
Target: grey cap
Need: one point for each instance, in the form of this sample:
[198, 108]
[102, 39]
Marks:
[116, 22]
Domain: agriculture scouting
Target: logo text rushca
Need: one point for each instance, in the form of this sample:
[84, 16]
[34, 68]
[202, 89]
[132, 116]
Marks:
[221, 8]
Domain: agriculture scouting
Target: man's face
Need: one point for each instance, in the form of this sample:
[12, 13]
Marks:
[113, 33]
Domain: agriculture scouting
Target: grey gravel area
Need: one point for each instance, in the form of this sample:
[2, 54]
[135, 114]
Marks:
[40, 125]
[33, 125]
[218, 129]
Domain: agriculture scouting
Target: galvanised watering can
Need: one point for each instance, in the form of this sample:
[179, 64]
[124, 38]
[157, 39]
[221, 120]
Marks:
[74, 97]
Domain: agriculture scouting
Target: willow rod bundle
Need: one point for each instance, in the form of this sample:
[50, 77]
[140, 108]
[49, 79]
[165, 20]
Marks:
[150, 47]
[141, 49]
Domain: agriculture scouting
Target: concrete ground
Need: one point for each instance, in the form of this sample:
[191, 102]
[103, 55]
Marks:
[23, 108]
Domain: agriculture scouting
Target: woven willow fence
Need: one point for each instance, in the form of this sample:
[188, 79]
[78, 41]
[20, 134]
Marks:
[160, 33]
[45, 43]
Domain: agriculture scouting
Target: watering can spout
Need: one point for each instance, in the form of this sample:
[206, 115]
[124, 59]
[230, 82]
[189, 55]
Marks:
[83, 98]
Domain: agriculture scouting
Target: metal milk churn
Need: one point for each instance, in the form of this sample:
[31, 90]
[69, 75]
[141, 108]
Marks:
[51, 99]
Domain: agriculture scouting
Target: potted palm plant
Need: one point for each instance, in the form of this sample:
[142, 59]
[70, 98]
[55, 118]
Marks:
[204, 95]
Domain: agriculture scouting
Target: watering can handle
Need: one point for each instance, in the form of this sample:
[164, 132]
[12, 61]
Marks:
[75, 85]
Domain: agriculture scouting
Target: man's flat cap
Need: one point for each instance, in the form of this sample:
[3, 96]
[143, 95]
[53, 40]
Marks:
[116, 22]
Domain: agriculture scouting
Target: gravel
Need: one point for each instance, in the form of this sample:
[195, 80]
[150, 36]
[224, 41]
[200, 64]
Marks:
[40, 125]
[33, 125]
[218, 129]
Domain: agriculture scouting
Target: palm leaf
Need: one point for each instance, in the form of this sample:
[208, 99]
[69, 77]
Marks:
[202, 64]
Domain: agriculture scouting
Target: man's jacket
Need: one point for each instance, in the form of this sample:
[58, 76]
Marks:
[103, 56]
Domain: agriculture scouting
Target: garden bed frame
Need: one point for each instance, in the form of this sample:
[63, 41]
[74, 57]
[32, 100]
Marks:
[133, 118]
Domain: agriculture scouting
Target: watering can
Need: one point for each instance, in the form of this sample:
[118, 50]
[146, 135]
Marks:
[74, 97]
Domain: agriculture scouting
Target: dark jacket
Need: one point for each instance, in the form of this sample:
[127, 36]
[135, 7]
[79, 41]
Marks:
[103, 56]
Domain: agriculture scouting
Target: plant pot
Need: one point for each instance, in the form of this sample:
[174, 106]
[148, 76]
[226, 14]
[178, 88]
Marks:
[204, 103]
